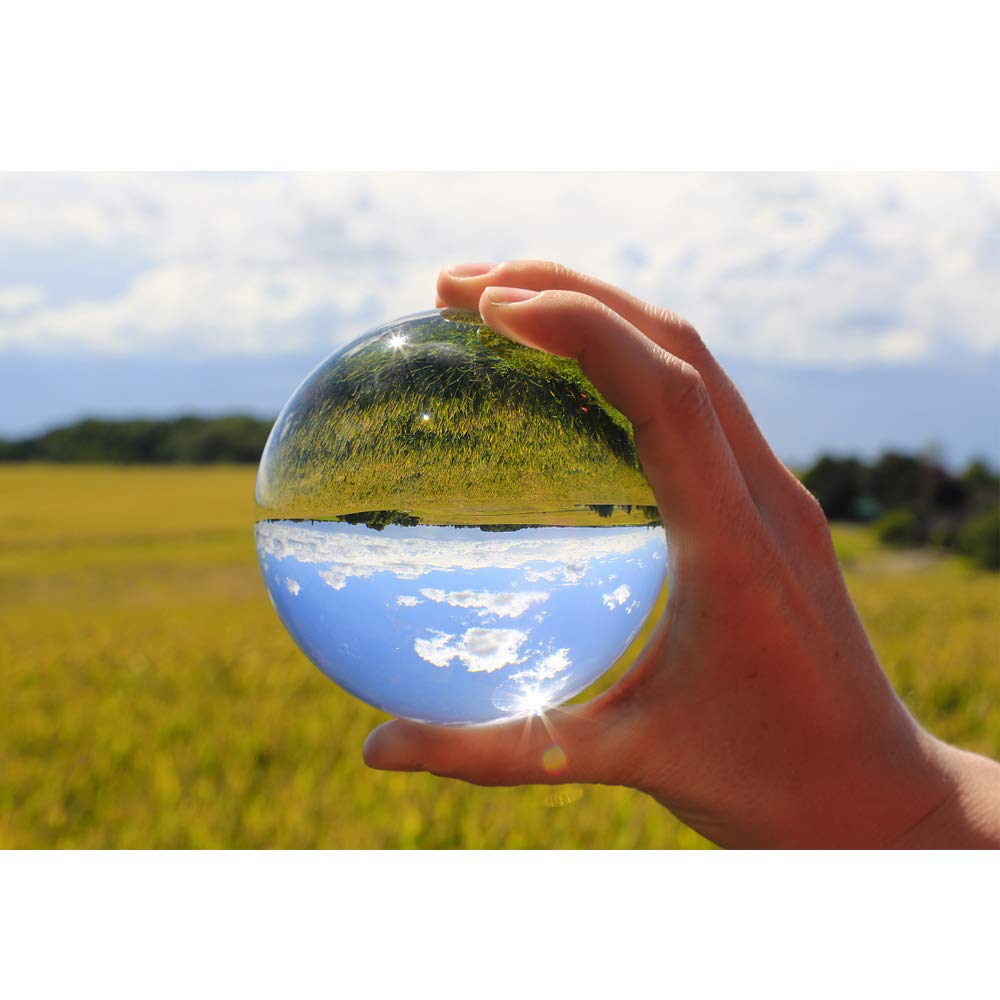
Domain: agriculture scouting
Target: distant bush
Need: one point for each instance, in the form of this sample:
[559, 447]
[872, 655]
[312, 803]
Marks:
[896, 480]
[980, 539]
[899, 528]
[912, 500]
[196, 440]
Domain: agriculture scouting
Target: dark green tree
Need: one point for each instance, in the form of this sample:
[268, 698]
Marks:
[838, 484]
[980, 539]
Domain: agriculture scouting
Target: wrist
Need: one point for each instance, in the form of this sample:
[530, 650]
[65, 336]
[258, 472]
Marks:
[968, 815]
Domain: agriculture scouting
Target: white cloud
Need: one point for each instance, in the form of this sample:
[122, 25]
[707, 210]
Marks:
[408, 600]
[546, 668]
[617, 597]
[831, 269]
[345, 554]
[509, 605]
[479, 649]
[569, 572]
[533, 575]
[333, 579]
[293, 586]
[17, 298]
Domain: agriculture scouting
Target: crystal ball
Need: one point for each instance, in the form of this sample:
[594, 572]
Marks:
[456, 528]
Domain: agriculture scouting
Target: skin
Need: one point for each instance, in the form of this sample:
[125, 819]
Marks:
[758, 713]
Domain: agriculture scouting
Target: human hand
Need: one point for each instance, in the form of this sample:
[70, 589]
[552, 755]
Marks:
[758, 712]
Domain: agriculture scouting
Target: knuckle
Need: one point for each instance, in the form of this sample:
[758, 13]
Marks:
[691, 344]
[505, 272]
[812, 512]
[680, 328]
[808, 523]
[807, 507]
[814, 523]
[690, 396]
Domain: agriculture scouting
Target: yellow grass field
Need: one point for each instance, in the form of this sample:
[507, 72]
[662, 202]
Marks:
[149, 696]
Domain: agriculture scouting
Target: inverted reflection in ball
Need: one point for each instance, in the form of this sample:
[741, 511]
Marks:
[455, 528]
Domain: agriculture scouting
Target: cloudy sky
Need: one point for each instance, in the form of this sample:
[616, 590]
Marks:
[447, 624]
[857, 311]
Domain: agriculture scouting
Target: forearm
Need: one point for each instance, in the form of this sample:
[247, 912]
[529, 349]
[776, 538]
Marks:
[969, 817]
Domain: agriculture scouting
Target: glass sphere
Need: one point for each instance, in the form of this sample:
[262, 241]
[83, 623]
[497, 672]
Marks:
[456, 528]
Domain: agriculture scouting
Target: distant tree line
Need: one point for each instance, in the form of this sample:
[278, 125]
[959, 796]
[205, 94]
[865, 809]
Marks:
[184, 440]
[910, 499]
[913, 500]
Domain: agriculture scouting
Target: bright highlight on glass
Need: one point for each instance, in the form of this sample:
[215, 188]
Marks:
[455, 528]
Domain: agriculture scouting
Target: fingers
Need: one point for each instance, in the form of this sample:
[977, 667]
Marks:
[463, 285]
[563, 746]
[683, 449]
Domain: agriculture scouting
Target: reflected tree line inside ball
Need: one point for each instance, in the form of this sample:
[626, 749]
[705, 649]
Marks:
[379, 520]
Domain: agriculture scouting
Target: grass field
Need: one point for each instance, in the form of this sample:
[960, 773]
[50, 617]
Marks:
[444, 419]
[150, 698]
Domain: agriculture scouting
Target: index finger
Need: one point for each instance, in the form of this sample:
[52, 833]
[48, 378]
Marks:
[683, 449]
[766, 477]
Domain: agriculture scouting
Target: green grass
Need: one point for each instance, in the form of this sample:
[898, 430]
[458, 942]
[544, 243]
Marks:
[449, 421]
[150, 698]
[935, 622]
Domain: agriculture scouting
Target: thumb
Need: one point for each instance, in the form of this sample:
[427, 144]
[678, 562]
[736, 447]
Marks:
[563, 745]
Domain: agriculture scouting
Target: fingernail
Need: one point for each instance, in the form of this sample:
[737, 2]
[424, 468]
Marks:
[469, 270]
[382, 750]
[501, 296]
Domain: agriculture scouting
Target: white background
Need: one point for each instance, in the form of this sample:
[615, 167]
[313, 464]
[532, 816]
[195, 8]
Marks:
[497, 86]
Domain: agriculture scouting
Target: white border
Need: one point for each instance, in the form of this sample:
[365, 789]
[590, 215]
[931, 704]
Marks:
[465, 86]
[522, 85]
[493, 924]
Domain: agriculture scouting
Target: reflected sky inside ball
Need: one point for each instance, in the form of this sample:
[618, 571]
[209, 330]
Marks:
[459, 625]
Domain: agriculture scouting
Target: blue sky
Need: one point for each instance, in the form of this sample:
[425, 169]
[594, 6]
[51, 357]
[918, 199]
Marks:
[857, 311]
[454, 624]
